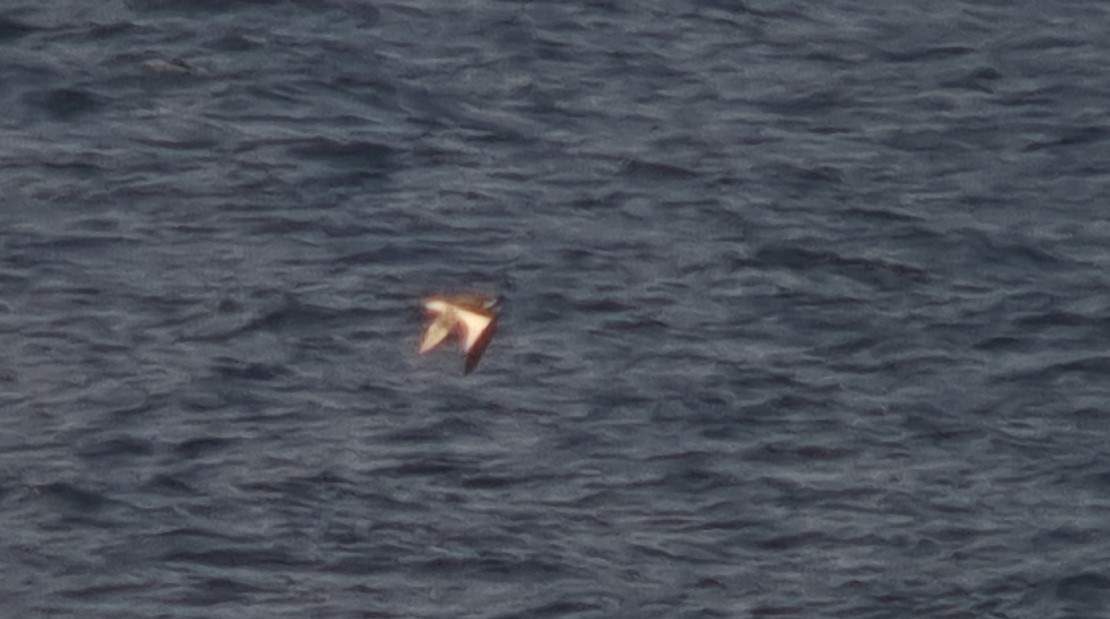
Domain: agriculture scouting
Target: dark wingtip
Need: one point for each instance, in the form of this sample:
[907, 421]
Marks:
[479, 347]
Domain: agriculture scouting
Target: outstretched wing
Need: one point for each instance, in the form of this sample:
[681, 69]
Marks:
[477, 329]
[436, 332]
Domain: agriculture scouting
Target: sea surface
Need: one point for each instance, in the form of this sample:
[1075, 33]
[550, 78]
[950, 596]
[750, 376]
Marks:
[805, 309]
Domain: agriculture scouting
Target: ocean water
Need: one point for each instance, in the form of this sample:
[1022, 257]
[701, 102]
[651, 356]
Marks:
[805, 309]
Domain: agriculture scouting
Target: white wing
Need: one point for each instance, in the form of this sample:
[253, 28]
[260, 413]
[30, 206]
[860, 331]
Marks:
[437, 331]
[474, 325]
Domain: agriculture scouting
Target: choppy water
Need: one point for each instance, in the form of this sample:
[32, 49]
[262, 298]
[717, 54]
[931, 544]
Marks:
[806, 310]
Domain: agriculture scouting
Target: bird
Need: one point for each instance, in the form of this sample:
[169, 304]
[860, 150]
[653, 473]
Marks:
[472, 318]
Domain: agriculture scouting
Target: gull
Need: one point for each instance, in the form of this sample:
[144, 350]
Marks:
[470, 315]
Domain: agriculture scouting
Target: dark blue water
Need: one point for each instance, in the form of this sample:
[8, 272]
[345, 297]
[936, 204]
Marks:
[805, 309]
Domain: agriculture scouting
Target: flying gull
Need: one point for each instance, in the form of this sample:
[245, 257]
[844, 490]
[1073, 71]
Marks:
[470, 315]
